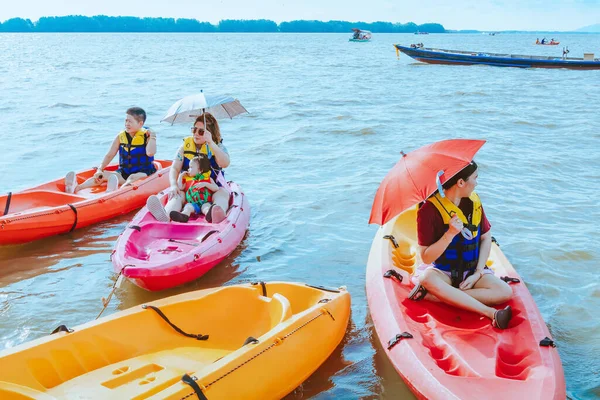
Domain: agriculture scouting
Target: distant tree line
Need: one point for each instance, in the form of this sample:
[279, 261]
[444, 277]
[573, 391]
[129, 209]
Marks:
[103, 23]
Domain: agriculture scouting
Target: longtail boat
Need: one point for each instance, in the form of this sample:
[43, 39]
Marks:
[456, 57]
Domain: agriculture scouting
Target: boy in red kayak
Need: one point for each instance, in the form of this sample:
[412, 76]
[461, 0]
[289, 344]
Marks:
[136, 147]
[198, 187]
[455, 238]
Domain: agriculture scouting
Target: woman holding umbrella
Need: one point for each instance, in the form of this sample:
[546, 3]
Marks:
[205, 139]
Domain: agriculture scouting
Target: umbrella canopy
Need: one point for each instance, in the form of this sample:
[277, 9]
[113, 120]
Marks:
[189, 108]
[415, 177]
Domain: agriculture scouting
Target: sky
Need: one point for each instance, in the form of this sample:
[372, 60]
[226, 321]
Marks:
[560, 15]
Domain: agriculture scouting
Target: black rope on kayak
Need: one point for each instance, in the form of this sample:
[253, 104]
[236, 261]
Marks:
[495, 241]
[163, 316]
[7, 203]
[508, 279]
[62, 328]
[208, 235]
[547, 342]
[392, 239]
[74, 222]
[326, 289]
[263, 285]
[391, 274]
[396, 339]
[135, 227]
[191, 380]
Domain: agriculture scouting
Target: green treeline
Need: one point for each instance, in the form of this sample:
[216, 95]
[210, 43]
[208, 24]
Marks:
[103, 23]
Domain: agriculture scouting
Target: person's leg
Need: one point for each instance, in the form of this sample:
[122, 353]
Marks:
[176, 202]
[221, 198]
[440, 285]
[91, 182]
[218, 211]
[205, 208]
[490, 290]
[134, 177]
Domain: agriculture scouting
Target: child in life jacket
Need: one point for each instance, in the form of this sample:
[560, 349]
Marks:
[198, 187]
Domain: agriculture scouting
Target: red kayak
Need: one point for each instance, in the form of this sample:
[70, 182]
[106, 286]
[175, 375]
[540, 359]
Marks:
[158, 255]
[442, 352]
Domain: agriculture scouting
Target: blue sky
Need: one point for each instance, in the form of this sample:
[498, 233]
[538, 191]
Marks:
[453, 14]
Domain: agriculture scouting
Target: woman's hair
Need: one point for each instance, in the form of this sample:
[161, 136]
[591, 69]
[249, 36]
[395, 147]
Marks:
[211, 125]
[463, 174]
[203, 162]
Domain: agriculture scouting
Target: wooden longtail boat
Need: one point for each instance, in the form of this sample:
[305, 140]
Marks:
[455, 57]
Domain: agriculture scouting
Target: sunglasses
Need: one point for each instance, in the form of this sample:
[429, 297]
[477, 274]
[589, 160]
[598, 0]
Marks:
[194, 129]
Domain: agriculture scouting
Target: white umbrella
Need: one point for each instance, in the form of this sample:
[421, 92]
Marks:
[189, 108]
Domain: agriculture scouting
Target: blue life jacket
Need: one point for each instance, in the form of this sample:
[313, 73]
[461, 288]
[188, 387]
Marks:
[462, 254]
[132, 153]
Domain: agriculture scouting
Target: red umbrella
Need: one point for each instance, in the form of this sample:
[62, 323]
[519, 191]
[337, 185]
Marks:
[413, 178]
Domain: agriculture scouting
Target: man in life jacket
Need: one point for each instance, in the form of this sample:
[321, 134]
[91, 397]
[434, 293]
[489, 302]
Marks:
[455, 239]
[204, 140]
[136, 147]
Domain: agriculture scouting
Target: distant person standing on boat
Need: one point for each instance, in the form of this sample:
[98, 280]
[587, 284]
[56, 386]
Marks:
[544, 41]
[136, 147]
[455, 238]
[204, 140]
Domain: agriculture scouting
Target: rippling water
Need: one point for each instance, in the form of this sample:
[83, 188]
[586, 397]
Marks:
[328, 120]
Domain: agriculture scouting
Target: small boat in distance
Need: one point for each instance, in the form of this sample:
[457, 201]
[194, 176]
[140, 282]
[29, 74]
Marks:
[421, 33]
[544, 42]
[360, 35]
[456, 57]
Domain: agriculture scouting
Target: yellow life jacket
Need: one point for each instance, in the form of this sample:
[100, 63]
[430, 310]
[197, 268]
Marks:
[190, 150]
[447, 210]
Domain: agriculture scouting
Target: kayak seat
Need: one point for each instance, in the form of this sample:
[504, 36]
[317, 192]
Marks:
[404, 257]
[513, 361]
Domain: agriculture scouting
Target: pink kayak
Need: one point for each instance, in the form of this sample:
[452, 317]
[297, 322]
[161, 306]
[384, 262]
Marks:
[159, 255]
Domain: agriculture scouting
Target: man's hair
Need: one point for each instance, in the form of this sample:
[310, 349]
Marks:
[138, 113]
[463, 174]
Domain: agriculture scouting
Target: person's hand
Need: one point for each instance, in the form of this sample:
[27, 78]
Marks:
[207, 137]
[455, 225]
[470, 281]
[150, 133]
[98, 176]
[174, 191]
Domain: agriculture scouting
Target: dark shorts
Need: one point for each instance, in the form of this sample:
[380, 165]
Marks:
[125, 175]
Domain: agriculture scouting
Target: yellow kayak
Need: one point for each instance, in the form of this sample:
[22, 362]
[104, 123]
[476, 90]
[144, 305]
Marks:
[250, 341]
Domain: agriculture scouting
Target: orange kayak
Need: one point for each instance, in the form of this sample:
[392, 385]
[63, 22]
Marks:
[446, 353]
[46, 210]
[249, 341]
